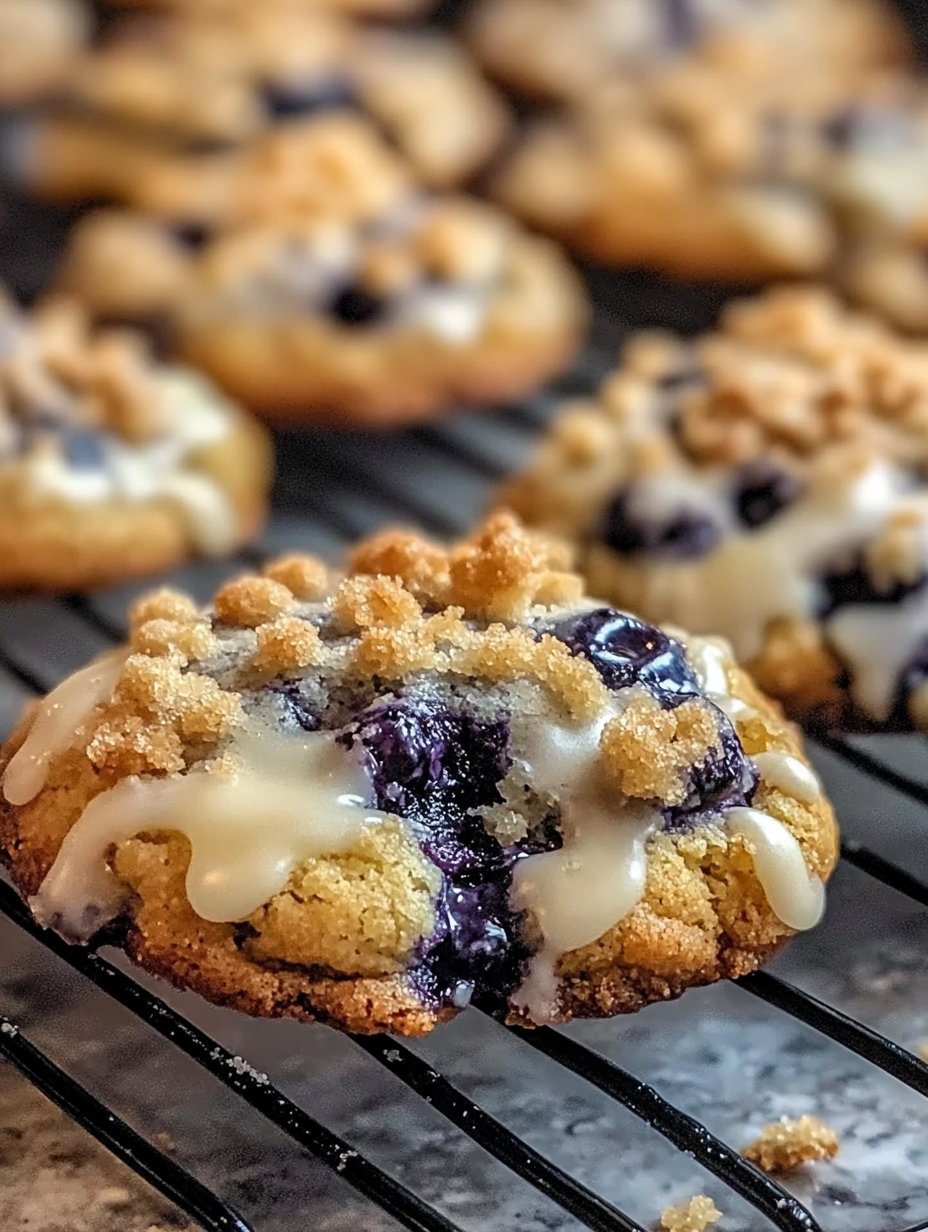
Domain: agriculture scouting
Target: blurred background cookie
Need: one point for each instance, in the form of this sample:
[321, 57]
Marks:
[113, 465]
[172, 100]
[341, 291]
[767, 482]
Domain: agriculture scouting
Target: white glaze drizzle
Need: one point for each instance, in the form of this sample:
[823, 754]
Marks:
[137, 473]
[752, 578]
[577, 893]
[789, 775]
[289, 800]
[795, 895]
[57, 720]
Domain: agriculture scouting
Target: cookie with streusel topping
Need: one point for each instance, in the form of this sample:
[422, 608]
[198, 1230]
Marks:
[113, 465]
[765, 481]
[558, 49]
[705, 172]
[446, 776]
[162, 110]
[342, 291]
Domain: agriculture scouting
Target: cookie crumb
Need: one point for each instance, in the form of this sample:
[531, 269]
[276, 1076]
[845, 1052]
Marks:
[921, 1049]
[785, 1144]
[114, 1196]
[694, 1216]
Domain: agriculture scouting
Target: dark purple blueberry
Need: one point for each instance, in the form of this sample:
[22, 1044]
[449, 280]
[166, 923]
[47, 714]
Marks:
[724, 779]
[288, 99]
[297, 711]
[437, 768]
[626, 651]
[681, 22]
[83, 448]
[680, 534]
[913, 677]
[355, 306]
[192, 235]
[854, 585]
[762, 490]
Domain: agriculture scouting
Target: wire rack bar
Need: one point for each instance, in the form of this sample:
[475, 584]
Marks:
[678, 1127]
[867, 764]
[590, 1209]
[840, 1027]
[878, 867]
[255, 1088]
[168, 1177]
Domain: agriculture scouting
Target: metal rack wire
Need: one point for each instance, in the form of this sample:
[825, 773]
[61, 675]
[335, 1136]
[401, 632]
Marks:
[330, 473]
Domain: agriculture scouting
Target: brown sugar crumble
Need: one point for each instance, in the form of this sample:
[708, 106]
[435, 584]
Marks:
[696, 1215]
[786, 1144]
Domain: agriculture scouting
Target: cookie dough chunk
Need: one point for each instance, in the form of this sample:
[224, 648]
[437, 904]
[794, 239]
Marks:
[560, 49]
[343, 292]
[112, 465]
[167, 105]
[765, 481]
[447, 776]
[703, 172]
[40, 41]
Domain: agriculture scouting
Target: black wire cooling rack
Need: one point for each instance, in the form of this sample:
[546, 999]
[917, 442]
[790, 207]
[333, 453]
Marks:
[330, 490]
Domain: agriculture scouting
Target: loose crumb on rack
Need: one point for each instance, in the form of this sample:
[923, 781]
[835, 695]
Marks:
[694, 1216]
[921, 1049]
[785, 1144]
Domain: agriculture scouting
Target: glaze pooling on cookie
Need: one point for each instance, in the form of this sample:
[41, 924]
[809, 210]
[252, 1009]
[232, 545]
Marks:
[446, 777]
[90, 423]
[802, 447]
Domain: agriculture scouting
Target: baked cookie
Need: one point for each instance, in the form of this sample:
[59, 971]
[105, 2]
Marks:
[39, 42]
[558, 49]
[112, 465]
[163, 109]
[766, 481]
[447, 777]
[383, 9]
[343, 292]
[705, 173]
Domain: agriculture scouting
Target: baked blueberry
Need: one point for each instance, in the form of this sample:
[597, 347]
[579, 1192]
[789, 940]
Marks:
[762, 490]
[629, 527]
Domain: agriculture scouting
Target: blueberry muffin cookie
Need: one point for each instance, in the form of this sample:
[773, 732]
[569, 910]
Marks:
[164, 107]
[343, 291]
[112, 465]
[766, 482]
[704, 173]
[445, 777]
[558, 49]
[381, 9]
[39, 42]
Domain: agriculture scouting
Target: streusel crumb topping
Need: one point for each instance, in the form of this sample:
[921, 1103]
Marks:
[696, 1215]
[786, 1144]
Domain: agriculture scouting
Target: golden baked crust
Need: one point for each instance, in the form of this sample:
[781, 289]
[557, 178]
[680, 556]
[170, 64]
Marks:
[764, 481]
[466, 651]
[112, 465]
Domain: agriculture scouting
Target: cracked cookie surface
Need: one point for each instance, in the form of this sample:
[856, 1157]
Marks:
[446, 775]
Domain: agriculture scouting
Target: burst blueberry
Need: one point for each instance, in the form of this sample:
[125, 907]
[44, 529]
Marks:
[626, 651]
[724, 779]
[762, 490]
[682, 533]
